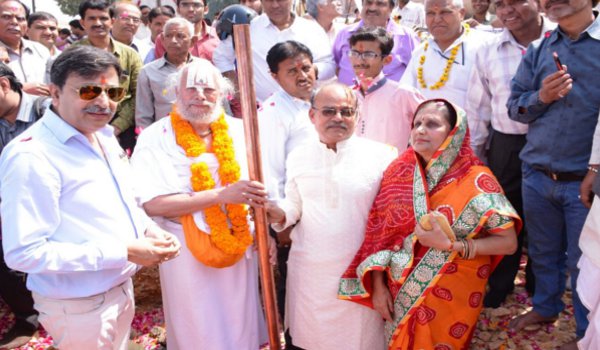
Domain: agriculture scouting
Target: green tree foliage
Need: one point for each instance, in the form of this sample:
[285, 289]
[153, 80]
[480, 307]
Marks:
[69, 7]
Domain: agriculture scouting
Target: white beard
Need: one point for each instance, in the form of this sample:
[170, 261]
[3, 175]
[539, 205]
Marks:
[201, 117]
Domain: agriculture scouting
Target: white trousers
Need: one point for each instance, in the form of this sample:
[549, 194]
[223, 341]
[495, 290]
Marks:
[102, 321]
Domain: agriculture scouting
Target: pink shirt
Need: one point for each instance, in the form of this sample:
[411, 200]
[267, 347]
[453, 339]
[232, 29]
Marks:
[386, 114]
[202, 47]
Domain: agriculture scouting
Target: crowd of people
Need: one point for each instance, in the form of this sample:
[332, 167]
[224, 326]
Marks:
[411, 152]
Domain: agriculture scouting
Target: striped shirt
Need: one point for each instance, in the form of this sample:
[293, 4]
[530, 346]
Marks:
[489, 87]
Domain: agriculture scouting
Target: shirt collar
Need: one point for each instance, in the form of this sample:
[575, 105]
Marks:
[266, 22]
[26, 45]
[462, 38]
[593, 30]
[506, 36]
[294, 100]
[63, 131]
[24, 114]
[165, 62]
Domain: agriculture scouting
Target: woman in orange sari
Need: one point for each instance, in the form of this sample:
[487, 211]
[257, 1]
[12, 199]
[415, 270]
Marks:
[428, 284]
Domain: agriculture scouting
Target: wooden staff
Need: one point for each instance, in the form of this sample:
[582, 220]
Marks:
[243, 54]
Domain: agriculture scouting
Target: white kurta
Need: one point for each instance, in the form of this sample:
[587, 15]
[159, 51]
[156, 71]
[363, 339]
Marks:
[205, 307]
[330, 194]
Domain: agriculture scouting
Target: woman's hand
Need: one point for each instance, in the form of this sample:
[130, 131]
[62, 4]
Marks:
[382, 299]
[244, 192]
[434, 238]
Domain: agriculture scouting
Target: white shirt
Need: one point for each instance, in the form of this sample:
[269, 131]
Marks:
[455, 88]
[29, 65]
[411, 15]
[496, 63]
[284, 125]
[68, 210]
[329, 194]
[143, 32]
[265, 35]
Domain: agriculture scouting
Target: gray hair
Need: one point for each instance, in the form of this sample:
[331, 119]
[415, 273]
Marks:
[459, 4]
[180, 22]
[312, 9]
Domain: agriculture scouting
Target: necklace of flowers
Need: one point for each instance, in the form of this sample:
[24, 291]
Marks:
[449, 63]
[234, 240]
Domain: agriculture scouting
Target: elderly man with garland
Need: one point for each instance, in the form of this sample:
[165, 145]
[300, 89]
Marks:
[190, 167]
[441, 65]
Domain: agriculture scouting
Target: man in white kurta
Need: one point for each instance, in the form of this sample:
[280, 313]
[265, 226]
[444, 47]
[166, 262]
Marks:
[205, 307]
[437, 50]
[331, 184]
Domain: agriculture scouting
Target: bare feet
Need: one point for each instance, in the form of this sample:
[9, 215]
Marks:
[528, 319]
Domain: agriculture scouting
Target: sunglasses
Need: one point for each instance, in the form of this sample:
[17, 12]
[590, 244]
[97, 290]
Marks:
[90, 92]
[330, 112]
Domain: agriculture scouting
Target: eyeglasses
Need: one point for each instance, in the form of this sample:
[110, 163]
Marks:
[134, 20]
[365, 55]
[330, 112]
[196, 5]
[90, 92]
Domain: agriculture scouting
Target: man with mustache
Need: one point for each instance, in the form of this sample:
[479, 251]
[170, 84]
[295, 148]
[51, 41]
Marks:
[555, 92]
[331, 182]
[28, 59]
[386, 108]
[126, 19]
[376, 13]
[95, 18]
[440, 66]
[210, 293]
[494, 137]
[284, 125]
[42, 27]
[68, 204]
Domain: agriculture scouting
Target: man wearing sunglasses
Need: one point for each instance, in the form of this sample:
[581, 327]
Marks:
[67, 200]
[95, 18]
[331, 183]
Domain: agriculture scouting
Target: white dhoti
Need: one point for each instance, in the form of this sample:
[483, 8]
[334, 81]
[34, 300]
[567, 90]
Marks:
[210, 308]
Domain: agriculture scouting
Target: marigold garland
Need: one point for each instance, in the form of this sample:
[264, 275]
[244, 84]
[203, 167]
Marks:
[234, 240]
[449, 62]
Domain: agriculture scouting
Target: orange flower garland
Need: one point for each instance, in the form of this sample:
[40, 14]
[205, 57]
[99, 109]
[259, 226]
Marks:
[234, 240]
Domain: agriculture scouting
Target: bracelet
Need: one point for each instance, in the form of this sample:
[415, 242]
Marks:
[471, 246]
[463, 252]
[592, 169]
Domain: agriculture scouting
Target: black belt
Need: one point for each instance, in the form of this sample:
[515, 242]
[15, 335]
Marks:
[560, 176]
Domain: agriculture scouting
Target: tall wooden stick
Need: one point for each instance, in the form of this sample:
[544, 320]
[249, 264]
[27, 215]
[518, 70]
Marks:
[243, 54]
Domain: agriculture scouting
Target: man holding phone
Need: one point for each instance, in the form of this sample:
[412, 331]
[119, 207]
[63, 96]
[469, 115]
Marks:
[561, 108]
